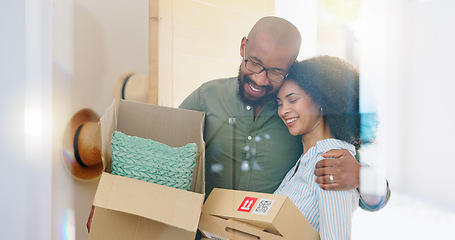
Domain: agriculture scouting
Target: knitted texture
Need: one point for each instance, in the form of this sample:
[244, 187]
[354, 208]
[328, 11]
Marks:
[152, 161]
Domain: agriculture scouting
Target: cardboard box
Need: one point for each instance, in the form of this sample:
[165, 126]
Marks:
[126, 208]
[233, 214]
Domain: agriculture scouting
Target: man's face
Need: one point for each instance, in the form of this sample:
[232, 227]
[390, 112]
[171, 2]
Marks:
[251, 93]
[255, 88]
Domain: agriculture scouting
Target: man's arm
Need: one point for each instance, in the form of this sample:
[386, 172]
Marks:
[192, 102]
[345, 172]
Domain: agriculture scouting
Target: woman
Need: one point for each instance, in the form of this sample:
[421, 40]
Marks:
[319, 101]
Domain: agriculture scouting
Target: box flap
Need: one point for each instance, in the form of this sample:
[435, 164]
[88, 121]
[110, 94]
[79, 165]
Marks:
[292, 224]
[218, 228]
[111, 225]
[108, 124]
[167, 125]
[174, 206]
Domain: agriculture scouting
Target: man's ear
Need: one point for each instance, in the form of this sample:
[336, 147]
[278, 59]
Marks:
[242, 46]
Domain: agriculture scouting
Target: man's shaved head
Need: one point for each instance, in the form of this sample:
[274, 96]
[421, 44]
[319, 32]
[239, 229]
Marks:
[281, 31]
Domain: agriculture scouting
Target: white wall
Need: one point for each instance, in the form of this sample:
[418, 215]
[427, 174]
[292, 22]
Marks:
[25, 125]
[407, 55]
[12, 66]
[426, 73]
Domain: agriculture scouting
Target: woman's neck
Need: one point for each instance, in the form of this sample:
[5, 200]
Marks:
[320, 132]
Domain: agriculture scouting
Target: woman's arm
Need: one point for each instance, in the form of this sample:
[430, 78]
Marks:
[336, 209]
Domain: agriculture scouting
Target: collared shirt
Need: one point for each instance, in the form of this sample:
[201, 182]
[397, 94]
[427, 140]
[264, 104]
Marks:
[242, 153]
[330, 212]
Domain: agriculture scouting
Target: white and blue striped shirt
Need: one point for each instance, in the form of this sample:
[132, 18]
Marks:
[330, 212]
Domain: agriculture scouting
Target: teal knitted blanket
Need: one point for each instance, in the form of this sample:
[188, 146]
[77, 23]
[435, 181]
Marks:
[152, 161]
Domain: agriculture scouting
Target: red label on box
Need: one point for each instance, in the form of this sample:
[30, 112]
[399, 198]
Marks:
[247, 204]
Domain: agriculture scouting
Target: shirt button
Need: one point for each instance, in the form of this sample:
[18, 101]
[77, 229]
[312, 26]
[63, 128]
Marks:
[248, 107]
[249, 138]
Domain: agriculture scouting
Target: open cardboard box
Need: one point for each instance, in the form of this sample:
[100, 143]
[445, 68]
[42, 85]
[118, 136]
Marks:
[126, 208]
[242, 215]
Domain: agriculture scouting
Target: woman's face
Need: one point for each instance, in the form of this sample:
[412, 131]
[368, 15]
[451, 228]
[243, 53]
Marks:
[297, 109]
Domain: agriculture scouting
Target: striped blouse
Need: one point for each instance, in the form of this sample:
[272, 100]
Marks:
[330, 212]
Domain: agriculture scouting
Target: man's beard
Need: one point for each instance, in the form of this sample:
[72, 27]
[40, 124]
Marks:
[247, 79]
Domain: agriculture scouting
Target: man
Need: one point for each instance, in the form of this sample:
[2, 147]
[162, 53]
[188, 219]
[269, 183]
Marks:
[247, 145]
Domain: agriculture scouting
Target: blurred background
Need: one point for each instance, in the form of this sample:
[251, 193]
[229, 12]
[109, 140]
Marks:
[58, 56]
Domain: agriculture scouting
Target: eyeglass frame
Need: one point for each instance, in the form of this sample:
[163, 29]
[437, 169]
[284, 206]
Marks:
[263, 68]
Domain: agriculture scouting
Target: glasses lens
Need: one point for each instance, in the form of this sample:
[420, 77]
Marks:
[257, 68]
[254, 67]
[274, 76]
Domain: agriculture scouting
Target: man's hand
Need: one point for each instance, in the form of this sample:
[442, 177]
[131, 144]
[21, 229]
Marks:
[343, 167]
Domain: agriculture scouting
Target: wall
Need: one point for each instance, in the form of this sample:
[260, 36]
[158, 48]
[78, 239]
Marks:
[25, 180]
[406, 56]
[93, 43]
[426, 51]
[12, 66]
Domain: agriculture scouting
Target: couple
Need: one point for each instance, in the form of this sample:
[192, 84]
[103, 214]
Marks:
[248, 146]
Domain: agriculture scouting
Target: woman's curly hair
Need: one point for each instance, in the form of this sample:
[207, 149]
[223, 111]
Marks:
[333, 84]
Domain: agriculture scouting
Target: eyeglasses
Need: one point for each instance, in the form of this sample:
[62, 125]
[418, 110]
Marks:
[272, 75]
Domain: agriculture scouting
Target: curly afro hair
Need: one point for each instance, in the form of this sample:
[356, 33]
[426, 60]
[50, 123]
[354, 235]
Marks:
[333, 84]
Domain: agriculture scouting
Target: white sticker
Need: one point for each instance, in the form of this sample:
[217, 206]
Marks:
[213, 236]
[263, 206]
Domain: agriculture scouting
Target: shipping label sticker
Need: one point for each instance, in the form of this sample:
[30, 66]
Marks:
[263, 207]
[247, 204]
[210, 235]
